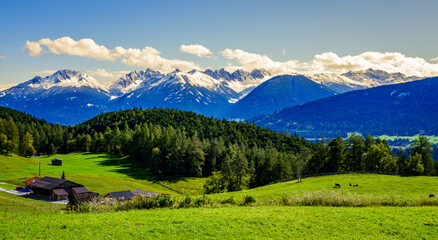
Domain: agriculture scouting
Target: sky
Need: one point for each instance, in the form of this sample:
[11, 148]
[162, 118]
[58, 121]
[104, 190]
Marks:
[106, 39]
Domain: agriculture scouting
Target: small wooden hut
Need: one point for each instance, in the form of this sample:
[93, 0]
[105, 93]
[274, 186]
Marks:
[57, 162]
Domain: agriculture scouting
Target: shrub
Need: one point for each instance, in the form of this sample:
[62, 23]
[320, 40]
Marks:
[230, 201]
[248, 200]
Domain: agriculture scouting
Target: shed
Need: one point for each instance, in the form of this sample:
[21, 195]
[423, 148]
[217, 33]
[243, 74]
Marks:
[57, 162]
[145, 193]
[59, 194]
[120, 195]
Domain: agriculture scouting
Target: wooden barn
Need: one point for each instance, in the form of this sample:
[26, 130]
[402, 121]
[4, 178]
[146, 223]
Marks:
[53, 188]
[57, 162]
[120, 195]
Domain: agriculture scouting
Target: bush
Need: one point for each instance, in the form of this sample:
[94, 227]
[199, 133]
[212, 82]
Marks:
[248, 200]
[186, 203]
[230, 201]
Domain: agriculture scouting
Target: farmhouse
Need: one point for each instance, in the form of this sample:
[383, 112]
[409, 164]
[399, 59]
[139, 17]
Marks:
[53, 188]
[120, 195]
[57, 162]
[31, 180]
[145, 193]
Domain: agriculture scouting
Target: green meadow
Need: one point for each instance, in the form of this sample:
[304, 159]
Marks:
[101, 173]
[265, 222]
[267, 218]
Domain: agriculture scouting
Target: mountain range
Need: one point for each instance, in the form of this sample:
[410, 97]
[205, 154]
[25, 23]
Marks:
[403, 109]
[68, 97]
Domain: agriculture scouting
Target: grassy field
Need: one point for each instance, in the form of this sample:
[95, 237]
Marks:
[98, 172]
[30, 219]
[372, 185]
[230, 223]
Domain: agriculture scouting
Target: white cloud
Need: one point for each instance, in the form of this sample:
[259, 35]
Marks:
[2, 56]
[147, 57]
[434, 59]
[45, 72]
[100, 72]
[331, 62]
[33, 49]
[196, 49]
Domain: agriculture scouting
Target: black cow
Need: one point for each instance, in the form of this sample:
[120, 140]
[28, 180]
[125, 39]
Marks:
[337, 185]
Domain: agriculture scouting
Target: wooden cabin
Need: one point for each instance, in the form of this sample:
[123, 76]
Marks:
[57, 162]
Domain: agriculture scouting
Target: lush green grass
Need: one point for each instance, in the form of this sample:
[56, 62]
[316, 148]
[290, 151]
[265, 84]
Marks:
[98, 172]
[11, 204]
[369, 185]
[230, 223]
[187, 186]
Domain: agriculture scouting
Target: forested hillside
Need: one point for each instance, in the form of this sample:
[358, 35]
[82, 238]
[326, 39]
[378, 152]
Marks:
[174, 143]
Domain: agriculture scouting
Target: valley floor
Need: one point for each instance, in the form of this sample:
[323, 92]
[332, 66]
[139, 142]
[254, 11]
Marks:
[265, 222]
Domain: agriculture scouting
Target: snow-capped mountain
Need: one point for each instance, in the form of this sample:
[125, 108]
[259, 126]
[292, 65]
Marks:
[232, 86]
[65, 97]
[131, 81]
[374, 78]
[193, 91]
[337, 83]
[69, 97]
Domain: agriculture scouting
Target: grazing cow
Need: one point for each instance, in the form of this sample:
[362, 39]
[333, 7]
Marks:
[431, 195]
[337, 185]
[356, 185]
[351, 184]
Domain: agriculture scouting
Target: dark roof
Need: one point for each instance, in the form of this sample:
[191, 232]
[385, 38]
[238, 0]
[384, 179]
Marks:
[145, 193]
[60, 192]
[80, 190]
[48, 183]
[31, 180]
[56, 159]
[121, 195]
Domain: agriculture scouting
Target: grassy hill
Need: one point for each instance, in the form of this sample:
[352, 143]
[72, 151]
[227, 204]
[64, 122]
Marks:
[369, 185]
[98, 172]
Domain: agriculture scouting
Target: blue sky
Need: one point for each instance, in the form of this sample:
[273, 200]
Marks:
[282, 36]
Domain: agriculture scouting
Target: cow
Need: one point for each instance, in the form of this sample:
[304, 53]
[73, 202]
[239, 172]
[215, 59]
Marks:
[337, 185]
[431, 195]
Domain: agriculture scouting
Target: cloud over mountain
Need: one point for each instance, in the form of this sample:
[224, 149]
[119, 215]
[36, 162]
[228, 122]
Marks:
[147, 57]
[331, 62]
[196, 49]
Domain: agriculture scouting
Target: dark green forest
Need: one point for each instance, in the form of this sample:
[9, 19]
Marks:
[235, 156]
